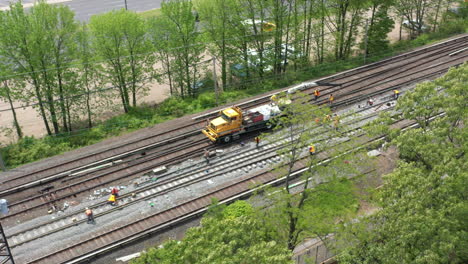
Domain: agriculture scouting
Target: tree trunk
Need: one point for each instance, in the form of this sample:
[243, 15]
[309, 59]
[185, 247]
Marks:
[88, 98]
[134, 80]
[348, 41]
[223, 56]
[436, 15]
[37, 89]
[15, 119]
[123, 87]
[187, 73]
[322, 37]
[68, 107]
[223, 65]
[309, 31]
[169, 73]
[401, 24]
[50, 99]
[292, 227]
[62, 100]
[53, 113]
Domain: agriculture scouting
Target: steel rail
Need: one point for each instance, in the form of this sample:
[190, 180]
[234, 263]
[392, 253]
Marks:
[145, 148]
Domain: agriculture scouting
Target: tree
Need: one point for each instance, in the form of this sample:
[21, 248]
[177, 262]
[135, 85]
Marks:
[234, 238]
[423, 202]
[17, 40]
[343, 18]
[414, 11]
[218, 18]
[293, 215]
[40, 45]
[55, 31]
[160, 29]
[119, 37]
[254, 14]
[10, 92]
[89, 73]
[183, 41]
[380, 24]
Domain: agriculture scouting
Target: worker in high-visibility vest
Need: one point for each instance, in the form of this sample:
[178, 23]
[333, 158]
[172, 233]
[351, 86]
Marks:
[89, 214]
[316, 94]
[396, 94]
[311, 149]
[112, 200]
[115, 192]
[257, 141]
[331, 99]
[336, 121]
[274, 98]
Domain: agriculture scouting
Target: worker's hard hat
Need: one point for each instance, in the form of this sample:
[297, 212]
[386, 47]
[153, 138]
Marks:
[86, 208]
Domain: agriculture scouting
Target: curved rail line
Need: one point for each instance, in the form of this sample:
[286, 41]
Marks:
[119, 236]
[242, 160]
[66, 167]
[339, 102]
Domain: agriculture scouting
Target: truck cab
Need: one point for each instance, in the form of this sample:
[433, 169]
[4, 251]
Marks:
[220, 128]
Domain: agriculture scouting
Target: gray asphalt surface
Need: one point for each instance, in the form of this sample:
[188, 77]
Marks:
[84, 9]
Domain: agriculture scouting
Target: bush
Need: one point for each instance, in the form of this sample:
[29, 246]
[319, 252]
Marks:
[237, 209]
[449, 28]
[30, 149]
[173, 106]
[206, 100]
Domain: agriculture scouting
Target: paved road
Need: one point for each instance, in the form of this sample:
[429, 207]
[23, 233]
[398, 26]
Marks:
[84, 9]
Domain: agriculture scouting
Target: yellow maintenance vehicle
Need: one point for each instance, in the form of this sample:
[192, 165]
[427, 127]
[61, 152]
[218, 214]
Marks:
[233, 122]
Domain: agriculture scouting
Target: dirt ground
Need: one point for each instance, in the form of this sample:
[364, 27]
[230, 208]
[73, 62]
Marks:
[32, 124]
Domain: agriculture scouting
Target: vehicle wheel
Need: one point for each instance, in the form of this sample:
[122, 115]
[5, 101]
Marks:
[226, 139]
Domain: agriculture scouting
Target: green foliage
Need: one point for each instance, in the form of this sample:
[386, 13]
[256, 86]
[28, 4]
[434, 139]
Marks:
[181, 31]
[380, 25]
[151, 13]
[119, 37]
[237, 209]
[230, 240]
[423, 202]
[327, 203]
[29, 149]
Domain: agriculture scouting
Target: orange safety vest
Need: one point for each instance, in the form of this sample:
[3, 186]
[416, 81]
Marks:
[88, 212]
[112, 198]
[316, 93]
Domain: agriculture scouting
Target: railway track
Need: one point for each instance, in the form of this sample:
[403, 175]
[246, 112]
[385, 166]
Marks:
[171, 181]
[160, 220]
[40, 176]
[374, 79]
[374, 87]
[143, 166]
[179, 183]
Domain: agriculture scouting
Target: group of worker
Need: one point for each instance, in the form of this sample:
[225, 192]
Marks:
[331, 98]
[112, 201]
[396, 94]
